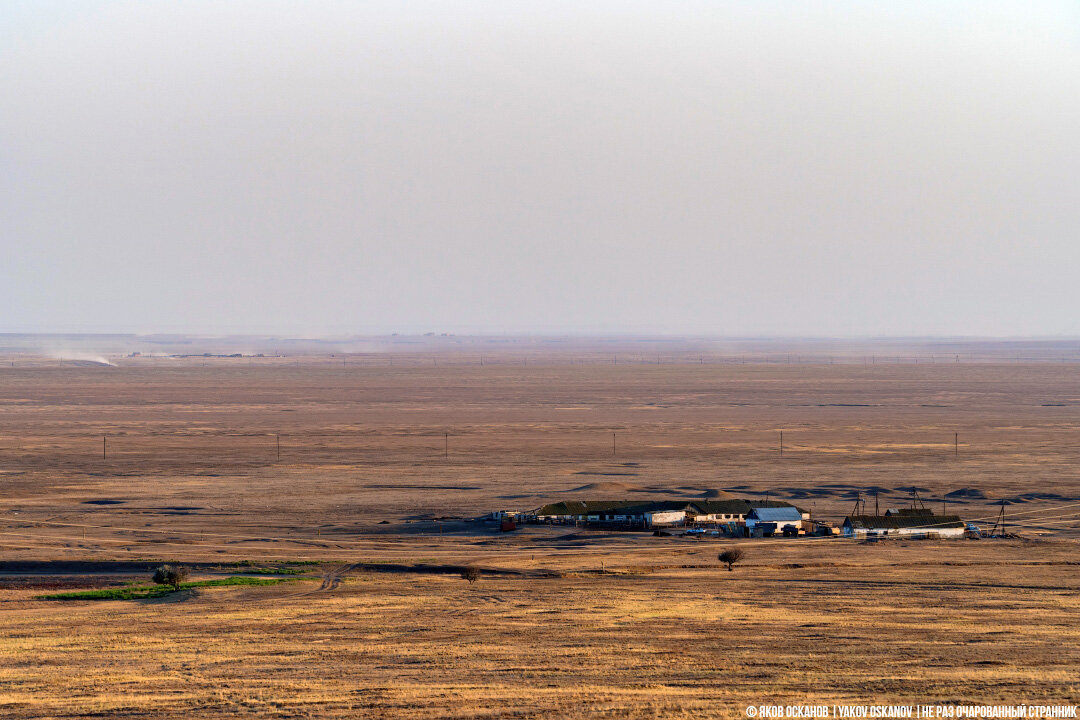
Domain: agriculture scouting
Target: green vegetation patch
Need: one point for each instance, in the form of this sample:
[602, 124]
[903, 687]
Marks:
[254, 569]
[260, 569]
[142, 592]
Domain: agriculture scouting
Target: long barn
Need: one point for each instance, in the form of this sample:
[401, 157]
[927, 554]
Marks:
[913, 524]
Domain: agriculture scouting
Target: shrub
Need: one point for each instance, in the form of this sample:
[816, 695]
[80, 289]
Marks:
[170, 575]
[731, 556]
[471, 574]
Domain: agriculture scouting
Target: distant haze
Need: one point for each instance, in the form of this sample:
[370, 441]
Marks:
[728, 168]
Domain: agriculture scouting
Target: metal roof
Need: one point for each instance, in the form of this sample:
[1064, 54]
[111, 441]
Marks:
[909, 511]
[776, 514]
[583, 507]
[725, 507]
[610, 507]
[773, 504]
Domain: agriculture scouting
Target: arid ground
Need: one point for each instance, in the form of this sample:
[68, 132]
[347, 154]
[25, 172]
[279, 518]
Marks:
[374, 466]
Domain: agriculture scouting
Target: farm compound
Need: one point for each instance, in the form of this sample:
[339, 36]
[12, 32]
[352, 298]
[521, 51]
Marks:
[740, 518]
[733, 515]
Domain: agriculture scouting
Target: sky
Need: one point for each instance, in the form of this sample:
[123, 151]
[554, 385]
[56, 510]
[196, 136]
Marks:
[721, 168]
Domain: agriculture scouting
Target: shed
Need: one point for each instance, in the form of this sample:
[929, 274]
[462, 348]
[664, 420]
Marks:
[777, 517]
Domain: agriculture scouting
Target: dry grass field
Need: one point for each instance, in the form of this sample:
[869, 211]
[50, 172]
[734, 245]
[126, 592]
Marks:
[382, 459]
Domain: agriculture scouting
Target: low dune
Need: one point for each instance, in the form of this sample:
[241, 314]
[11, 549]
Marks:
[968, 493]
[606, 486]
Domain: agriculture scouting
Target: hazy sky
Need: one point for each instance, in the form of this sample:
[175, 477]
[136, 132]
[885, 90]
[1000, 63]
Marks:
[731, 168]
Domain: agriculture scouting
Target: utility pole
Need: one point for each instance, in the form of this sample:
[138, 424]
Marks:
[612, 444]
[446, 445]
[1000, 522]
[956, 444]
[781, 443]
[102, 447]
[277, 443]
[877, 510]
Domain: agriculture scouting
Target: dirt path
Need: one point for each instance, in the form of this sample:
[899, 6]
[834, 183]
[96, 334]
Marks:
[332, 579]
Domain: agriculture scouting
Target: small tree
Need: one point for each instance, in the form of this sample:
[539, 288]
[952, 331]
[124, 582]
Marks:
[731, 556]
[170, 575]
[471, 574]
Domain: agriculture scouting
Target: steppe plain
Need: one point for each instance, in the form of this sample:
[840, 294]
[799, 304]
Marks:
[371, 465]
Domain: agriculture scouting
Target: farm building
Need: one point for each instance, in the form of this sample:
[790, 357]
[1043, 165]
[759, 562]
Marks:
[771, 520]
[915, 524]
[726, 511]
[615, 512]
[581, 511]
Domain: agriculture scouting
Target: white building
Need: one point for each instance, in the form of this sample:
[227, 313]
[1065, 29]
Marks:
[774, 519]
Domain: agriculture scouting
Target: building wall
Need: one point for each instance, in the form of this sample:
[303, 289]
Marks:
[720, 518]
[912, 532]
[666, 517]
[922, 532]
